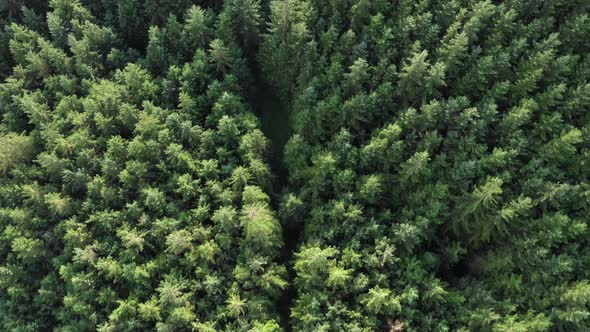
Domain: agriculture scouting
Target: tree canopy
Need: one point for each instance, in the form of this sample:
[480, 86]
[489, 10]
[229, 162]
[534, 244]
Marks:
[436, 177]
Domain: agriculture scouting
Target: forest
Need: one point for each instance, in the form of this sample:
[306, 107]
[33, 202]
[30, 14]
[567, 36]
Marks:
[295, 165]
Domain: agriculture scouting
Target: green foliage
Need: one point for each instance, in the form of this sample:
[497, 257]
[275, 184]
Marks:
[15, 149]
[437, 177]
[132, 186]
[436, 154]
[282, 47]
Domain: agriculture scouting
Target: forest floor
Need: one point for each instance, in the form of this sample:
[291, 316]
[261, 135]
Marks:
[274, 119]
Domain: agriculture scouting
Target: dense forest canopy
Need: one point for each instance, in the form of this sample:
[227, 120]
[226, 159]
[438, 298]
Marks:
[436, 175]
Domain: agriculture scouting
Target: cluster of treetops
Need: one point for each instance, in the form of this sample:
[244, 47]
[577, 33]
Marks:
[438, 167]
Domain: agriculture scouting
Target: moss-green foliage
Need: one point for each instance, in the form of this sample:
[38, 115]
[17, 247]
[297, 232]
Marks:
[134, 189]
[438, 166]
[439, 163]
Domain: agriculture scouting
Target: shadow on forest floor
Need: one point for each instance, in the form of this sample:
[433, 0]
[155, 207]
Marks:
[274, 119]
